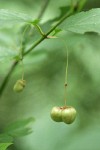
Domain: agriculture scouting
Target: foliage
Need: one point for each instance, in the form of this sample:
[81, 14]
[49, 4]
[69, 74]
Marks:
[84, 22]
[13, 130]
[3, 146]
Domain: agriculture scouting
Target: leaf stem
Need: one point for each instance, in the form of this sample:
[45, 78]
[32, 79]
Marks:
[39, 29]
[66, 79]
[66, 73]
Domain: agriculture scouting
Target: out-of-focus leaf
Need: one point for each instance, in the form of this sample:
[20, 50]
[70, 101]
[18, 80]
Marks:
[88, 21]
[12, 18]
[19, 124]
[3, 146]
[20, 132]
[19, 128]
[7, 54]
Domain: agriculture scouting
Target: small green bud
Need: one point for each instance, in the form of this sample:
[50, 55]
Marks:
[68, 115]
[19, 85]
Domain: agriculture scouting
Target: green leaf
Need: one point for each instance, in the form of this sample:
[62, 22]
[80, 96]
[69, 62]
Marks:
[7, 54]
[20, 132]
[88, 21]
[19, 128]
[3, 146]
[10, 18]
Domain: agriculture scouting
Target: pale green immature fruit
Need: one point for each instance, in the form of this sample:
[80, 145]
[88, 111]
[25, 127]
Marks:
[68, 115]
[19, 85]
[56, 114]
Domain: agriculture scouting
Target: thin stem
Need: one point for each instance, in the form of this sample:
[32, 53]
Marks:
[39, 29]
[22, 50]
[66, 79]
[22, 69]
[66, 73]
[21, 43]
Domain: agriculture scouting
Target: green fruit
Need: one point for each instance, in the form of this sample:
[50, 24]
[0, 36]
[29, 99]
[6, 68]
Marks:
[19, 85]
[56, 114]
[68, 115]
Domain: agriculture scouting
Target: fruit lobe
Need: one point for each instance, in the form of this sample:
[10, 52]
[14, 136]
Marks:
[68, 115]
[56, 114]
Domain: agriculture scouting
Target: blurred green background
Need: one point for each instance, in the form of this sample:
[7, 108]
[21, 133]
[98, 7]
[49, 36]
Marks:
[45, 74]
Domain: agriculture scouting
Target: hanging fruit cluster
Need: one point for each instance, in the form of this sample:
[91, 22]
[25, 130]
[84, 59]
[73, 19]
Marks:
[66, 114]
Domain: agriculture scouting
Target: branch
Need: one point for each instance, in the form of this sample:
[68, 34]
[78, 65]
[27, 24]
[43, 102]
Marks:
[6, 79]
